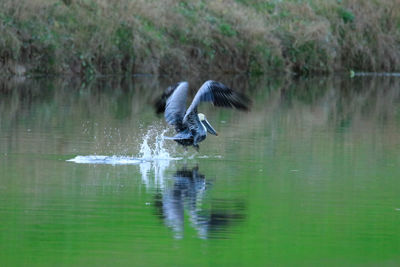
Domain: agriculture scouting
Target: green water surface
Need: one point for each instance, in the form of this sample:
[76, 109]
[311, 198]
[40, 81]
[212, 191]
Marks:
[309, 177]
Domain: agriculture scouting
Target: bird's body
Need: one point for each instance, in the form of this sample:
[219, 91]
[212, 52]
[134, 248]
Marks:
[191, 126]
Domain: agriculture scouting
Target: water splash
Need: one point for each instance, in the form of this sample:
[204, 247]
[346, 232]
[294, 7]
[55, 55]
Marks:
[158, 150]
[152, 149]
[156, 158]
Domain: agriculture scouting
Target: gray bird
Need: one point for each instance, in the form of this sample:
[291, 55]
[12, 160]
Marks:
[192, 127]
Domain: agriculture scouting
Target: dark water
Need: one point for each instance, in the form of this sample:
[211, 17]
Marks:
[309, 177]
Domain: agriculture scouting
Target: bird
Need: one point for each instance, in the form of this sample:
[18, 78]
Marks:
[191, 127]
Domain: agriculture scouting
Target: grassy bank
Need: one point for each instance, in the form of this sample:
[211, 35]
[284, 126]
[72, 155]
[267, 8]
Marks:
[90, 37]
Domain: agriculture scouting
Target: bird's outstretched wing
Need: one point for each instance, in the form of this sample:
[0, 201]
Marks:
[161, 102]
[220, 95]
[176, 104]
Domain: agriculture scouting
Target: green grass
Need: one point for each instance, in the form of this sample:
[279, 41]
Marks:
[92, 37]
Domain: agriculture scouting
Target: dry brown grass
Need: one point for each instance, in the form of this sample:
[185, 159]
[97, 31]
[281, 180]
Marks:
[165, 37]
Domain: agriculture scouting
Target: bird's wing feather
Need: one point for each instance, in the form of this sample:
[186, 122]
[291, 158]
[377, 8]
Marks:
[220, 95]
[176, 105]
[193, 123]
[161, 102]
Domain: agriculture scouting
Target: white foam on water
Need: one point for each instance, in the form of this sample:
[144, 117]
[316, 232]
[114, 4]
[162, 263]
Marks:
[113, 160]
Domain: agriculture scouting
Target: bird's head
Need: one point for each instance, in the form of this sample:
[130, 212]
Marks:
[206, 124]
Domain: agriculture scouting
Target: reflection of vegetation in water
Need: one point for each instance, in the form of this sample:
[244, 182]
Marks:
[298, 109]
[342, 99]
[313, 103]
[71, 108]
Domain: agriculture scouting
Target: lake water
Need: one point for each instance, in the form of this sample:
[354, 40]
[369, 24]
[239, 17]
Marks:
[310, 176]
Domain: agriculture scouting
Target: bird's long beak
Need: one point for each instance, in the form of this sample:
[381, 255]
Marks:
[209, 128]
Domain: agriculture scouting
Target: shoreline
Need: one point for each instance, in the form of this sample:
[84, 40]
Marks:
[92, 37]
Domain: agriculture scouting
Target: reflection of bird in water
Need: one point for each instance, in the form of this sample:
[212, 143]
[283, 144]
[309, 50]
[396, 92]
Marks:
[187, 194]
[192, 127]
